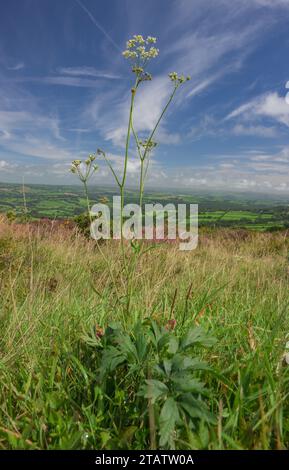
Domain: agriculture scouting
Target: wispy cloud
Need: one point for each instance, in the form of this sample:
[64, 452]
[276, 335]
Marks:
[72, 81]
[109, 112]
[206, 56]
[270, 3]
[269, 105]
[17, 66]
[260, 131]
[26, 120]
[87, 72]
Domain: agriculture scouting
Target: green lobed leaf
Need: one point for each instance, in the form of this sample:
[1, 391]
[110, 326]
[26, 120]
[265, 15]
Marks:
[169, 417]
[153, 389]
[197, 336]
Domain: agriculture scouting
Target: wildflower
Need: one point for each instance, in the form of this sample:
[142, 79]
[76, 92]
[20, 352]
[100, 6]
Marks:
[173, 76]
[77, 168]
[148, 144]
[90, 159]
[129, 54]
[140, 51]
[178, 79]
[130, 43]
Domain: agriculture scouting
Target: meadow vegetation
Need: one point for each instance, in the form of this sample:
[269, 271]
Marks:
[205, 333]
[117, 344]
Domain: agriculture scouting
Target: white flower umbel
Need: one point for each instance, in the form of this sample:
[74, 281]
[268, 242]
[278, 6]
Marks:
[140, 50]
[84, 170]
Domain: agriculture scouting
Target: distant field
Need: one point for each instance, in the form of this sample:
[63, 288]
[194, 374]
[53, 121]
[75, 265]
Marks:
[259, 212]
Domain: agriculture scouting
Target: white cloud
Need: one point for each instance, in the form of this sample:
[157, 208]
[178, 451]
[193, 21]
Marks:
[40, 148]
[109, 111]
[269, 105]
[259, 131]
[275, 106]
[7, 166]
[34, 135]
[271, 3]
[201, 86]
[27, 121]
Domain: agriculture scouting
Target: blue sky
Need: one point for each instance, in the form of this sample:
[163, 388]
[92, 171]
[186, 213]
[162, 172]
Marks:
[65, 88]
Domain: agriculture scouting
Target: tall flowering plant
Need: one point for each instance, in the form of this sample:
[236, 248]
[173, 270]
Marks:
[139, 52]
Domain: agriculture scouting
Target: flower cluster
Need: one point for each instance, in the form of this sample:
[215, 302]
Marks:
[140, 51]
[74, 165]
[148, 145]
[78, 165]
[178, 79]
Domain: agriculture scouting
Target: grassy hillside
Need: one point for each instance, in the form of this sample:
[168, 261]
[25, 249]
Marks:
[75, 357]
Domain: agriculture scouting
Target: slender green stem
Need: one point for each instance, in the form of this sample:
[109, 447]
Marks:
[87, 200]
[143, 157]
[123, 181]
[143, 172]
[84, 181]
[141, 182]
[112, 170]
[136, 140]
[160, 118]
[141, 163]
